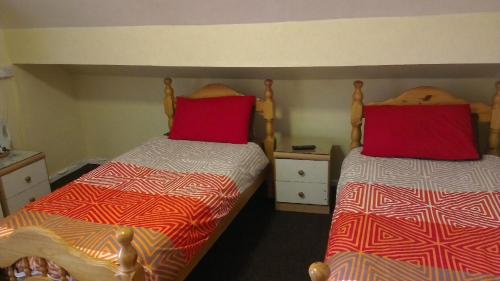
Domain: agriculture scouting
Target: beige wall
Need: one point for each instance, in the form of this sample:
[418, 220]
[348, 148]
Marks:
[119, 112]
[42, 112]
[48, 115]
[8, 95]
[446, 39]
[73, 117]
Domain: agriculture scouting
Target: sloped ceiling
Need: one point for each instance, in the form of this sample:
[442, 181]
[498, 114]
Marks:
[82, 13]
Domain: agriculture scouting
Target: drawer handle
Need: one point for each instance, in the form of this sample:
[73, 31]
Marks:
[32, 199]
[27, 179]
[302, 195]
[301, 173]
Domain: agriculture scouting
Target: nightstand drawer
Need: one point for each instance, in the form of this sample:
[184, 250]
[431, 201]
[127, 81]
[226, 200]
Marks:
[22, 199]
[301, 170]
[24, 178]
[302, 193]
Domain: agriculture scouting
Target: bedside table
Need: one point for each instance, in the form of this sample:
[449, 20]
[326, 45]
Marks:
[302, 176]
[23, 179]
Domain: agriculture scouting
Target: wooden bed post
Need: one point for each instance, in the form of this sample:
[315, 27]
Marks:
[356, 114]
[494, 140]
[319, 271]
[127, 257]
[267, 110]
[268, 113]
[169, 102]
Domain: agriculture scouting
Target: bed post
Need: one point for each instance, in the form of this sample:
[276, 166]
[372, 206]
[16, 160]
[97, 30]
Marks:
[127, 256]
[494, 140]
[169, 102]
[269, 117]
[319, 271]
[269, 141]
[356, 114]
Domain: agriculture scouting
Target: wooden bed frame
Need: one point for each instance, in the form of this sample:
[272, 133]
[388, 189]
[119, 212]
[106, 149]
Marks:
[36, 241]
[320, 271]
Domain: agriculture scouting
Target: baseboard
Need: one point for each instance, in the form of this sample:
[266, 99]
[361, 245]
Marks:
[72, 168]
[98, 161]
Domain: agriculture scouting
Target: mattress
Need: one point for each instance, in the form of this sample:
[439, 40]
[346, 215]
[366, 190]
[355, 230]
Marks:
[409, 219]
[173, 193]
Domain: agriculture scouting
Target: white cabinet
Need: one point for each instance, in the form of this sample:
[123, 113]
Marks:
[302, 177]
[23, 179]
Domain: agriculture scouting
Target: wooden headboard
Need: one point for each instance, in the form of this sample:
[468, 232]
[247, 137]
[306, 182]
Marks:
[265, 107]
[429, 96]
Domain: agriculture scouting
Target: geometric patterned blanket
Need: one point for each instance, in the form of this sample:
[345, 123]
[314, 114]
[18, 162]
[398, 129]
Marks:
[173, 212]
[408, 219]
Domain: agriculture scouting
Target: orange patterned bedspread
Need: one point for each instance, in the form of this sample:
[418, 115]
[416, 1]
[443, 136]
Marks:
[173, 213]
[416, 220]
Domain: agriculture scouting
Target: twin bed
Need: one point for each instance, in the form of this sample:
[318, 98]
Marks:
[415, 219]
[151, 213]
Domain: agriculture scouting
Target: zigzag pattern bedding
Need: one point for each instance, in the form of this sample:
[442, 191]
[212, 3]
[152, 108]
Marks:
[408, 219]
[173, 193]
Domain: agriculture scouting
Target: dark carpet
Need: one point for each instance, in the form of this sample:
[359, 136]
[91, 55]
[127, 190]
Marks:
[72, 176]
[261, 244]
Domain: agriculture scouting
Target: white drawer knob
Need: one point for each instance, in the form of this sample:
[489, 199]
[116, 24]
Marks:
[302, 195]
[27, 179]
[301, 173]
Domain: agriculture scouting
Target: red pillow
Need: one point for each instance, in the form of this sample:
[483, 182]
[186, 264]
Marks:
[223, 119]
[440, 132]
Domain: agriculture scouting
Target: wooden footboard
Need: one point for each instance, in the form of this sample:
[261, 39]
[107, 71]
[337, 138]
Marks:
[38, 242]
[319, 271]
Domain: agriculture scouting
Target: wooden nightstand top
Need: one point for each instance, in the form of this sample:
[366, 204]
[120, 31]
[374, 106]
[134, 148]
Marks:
[322, 151]
[18, 159]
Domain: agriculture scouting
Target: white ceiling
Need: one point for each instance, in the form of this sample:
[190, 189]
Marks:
[80, 13]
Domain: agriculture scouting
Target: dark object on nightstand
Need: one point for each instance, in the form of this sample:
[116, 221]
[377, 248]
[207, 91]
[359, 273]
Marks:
[304, 147]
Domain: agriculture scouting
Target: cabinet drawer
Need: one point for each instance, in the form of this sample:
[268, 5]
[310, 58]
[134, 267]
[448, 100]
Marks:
[22, 199]
[301, 170]
[24, 178]
[303, 193]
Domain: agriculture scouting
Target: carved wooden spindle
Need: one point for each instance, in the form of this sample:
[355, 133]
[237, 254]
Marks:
[26, 267]
[169, 101]
[11, 273]
[494, 140]
[127, 257]
[269, 142]
[356, 114]
[269, 117]
[319, 271]
[44, 267]
[64, 274]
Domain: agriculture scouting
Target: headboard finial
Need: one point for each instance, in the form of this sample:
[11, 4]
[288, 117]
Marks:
[269, 90]
[494, 140]
[496, 99]
[356, 114]
[168, 81]
[358, 84]
[169, 101]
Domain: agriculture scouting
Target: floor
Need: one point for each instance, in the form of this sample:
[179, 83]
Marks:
[260, 244]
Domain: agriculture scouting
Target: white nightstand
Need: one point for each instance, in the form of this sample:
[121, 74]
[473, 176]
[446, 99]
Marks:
[23, 179]
[302, 176]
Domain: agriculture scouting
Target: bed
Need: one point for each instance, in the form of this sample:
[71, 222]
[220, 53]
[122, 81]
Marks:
[415, 219]
[149, 214]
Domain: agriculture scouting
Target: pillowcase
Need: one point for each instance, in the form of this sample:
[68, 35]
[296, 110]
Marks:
[439, 132]
[222, 119]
